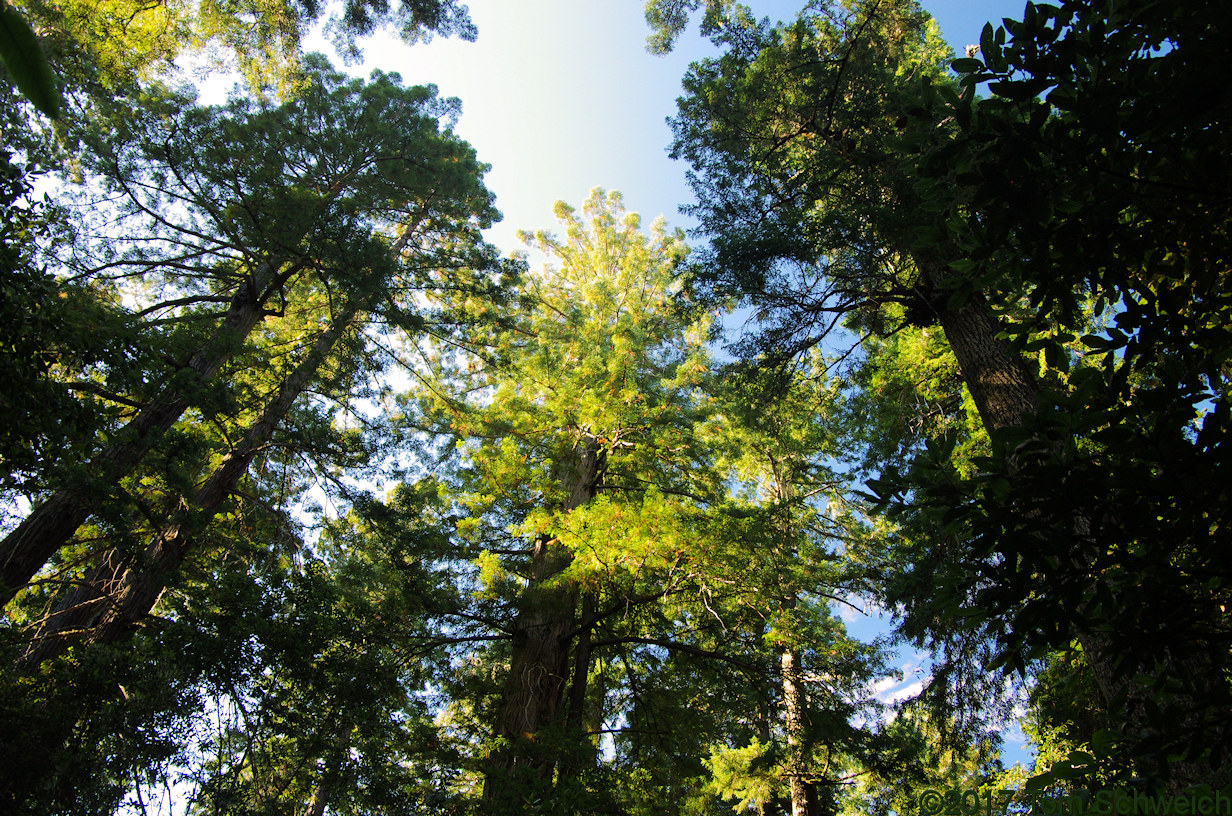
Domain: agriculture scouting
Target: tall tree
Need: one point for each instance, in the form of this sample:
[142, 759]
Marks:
[575, 431]
[265, 196]
[385, 207]
[833, 173]
[784, 439]
[1087, 148]
[780, 447]
[117, 594]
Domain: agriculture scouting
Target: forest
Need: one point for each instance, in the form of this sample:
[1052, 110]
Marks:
[313, 501]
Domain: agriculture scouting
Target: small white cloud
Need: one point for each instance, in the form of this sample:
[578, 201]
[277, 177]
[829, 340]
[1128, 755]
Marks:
[885, 684]
[909, 690]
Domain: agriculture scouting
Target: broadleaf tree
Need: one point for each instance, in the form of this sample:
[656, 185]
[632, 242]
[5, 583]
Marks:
[845, 177]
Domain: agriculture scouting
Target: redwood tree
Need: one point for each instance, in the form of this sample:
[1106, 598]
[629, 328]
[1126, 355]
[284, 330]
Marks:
[572, 436]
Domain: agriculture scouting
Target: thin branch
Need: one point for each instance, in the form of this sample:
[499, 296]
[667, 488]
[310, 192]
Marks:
[98, 391]
[672, 645]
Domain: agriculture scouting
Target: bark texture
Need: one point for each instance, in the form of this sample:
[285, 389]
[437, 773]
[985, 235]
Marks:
[533, 700]
[1003, 388]
[1005, 392]
[803, 792]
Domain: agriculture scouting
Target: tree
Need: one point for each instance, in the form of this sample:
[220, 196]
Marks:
[812, 210]
[625, 591]
[347, 162]
[573, 454]
[809, 197]
[122, 589]
[383, 207]
[1067, 160]
[667, 18]
[316, 672]
[835, 163]
[778, 440]
[103, 51]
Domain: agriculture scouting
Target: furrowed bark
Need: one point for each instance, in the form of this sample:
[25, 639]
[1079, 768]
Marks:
[803, 792]
[533, 698]
[25, 550]
[1003, 388]
[122, 589]
[320, 798]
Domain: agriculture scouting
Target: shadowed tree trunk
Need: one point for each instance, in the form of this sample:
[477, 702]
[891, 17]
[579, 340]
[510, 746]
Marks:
[533, 699]
[576, 719]
[1005, 393]
[795, 696]
[331, 773]
[122, 588]
[51, 524]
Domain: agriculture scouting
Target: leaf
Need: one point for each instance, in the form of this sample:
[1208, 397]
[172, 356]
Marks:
[26, 62]
[990, 46]
[1015, 91]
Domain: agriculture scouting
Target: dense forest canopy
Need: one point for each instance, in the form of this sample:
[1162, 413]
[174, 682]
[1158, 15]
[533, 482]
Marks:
[315, 502]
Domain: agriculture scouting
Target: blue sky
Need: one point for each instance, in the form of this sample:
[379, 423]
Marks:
[560, 96]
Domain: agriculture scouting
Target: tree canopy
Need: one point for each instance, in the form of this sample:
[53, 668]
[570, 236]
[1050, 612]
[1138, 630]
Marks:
[843, 172]
[314, 502]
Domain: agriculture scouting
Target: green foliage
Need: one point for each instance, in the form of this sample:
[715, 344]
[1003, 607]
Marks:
[1065, 716]
[26, 63]
[335, 211]
[743, 774]
[795, 136]
[52, 332]
[321, 687]
[682, 534]
[349, 200]
[804, 138]
[130, 735]
[668, 18]
[574, 457]
[843, 174]
[596, 357]
[1086, 193]
[113, 48]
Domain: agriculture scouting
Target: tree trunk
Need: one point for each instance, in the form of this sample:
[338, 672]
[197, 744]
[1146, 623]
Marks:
[320, 797]
[25, 550]
[576, 717]
[331, 772]
[532, 710]
[122, 589]
[1003, 388]
[1005, 392]
[803, 792]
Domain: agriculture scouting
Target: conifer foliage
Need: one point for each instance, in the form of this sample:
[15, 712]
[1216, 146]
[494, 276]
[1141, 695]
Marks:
[311, 502]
